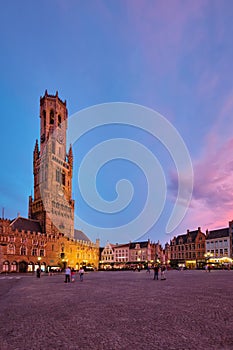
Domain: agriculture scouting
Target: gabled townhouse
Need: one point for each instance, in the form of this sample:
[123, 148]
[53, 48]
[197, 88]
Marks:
[140, 252]
[107, 257]
[188, 250]
[121, 253]
[157, 254]
[218, 246]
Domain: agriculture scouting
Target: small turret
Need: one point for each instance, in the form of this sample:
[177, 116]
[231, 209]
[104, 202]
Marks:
[36, 153]
[70, 157]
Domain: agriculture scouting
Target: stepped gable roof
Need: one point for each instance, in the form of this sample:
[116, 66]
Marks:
[222, 232]
[25, 224]
[142, 244]
[79, 235]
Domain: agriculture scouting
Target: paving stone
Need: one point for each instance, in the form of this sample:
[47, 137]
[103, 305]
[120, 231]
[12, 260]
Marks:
[191, 310]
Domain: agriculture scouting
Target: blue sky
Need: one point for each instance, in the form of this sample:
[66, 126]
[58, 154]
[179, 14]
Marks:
[172, 56]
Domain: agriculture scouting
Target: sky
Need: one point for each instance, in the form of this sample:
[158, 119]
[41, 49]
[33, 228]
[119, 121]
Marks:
[174, 57]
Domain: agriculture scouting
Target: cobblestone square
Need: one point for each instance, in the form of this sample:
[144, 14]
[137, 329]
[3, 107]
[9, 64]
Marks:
[190, 310]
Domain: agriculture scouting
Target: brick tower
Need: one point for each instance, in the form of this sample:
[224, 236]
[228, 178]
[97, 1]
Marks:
[53, 205]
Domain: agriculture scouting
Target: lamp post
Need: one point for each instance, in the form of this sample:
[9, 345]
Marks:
[38, 271]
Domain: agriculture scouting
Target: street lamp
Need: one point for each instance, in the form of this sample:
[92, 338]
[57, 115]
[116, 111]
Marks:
[38, 271]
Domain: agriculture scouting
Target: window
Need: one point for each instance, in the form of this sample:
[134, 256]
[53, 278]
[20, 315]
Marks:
[59, 121]
[63, 178]
[34, 252]
[5, 266]
[51, 121]
[44, 118]
[14, 266]
[10, 249]
[42, 252]
[23, 251]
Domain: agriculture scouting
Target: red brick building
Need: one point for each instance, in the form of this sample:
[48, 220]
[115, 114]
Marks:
[48, 238]
[188, 250]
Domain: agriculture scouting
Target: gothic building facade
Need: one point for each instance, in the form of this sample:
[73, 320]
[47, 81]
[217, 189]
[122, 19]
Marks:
[47, 237]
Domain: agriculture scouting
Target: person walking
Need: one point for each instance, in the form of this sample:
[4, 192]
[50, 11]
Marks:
[156, 272]
[38, 272]
[81, 273]
[67, 274]
[163, 269]
[72, 275]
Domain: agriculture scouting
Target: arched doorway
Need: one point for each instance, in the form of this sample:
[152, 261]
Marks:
[14, 266]
[30, 267]
[23, 266]
[6, 266]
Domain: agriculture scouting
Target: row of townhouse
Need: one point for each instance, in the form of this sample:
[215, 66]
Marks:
[131, 254]
[195, 249]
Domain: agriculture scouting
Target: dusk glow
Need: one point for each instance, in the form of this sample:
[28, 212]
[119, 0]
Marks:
[173, 57]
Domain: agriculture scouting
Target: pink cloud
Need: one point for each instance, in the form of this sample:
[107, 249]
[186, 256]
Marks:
[212, 203]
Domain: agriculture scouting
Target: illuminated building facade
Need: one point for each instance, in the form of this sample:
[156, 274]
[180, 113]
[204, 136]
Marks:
[47, 238]
[188, 250]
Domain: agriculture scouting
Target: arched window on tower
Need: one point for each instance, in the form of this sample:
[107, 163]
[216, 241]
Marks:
[51, 121]
[63, 178]
[59, 121]
[44, 118]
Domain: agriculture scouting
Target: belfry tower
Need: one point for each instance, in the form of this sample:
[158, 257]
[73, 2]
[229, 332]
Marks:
[52, 204]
